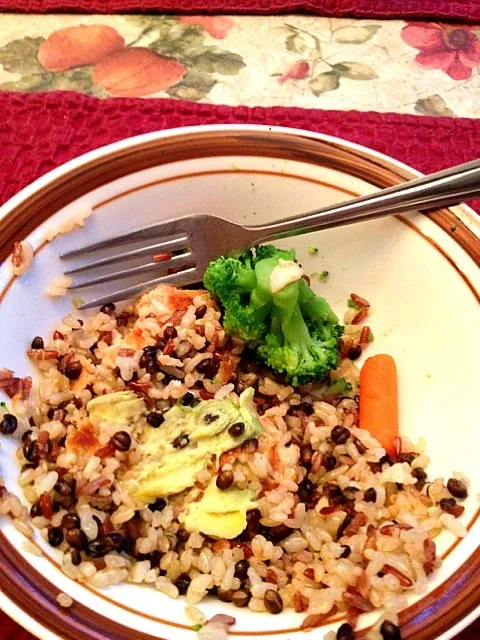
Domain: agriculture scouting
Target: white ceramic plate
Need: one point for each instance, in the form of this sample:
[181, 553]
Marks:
[420, 274]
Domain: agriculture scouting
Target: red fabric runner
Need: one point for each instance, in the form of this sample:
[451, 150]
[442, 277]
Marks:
[10, 630]
[41, 131]
[461, 10]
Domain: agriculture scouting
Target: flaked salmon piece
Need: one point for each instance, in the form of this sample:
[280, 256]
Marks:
[154, 309]
[82, 440]
[165, 301]
[227, 368]
[135, 339]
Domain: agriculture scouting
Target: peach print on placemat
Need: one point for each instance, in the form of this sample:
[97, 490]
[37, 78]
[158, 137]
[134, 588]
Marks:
[451, 48]
[164, 54]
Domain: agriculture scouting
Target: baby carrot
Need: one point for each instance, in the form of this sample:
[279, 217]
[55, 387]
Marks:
[379, 399]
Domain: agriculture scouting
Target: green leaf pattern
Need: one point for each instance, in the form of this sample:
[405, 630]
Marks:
[324, 82]
[195, 86]
[356, 34]
[433, 106]
[20, 56]
[354, 71]
[297, 42]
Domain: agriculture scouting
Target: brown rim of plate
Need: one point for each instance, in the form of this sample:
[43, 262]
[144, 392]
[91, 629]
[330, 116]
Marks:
[432, 615]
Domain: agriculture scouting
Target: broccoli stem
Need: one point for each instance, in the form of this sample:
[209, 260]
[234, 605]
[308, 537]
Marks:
[293, 326]
[314, 306]
[293, 331]
[246, 280]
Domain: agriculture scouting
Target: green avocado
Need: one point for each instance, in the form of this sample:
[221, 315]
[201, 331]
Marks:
[120, 407]
[222, 514]
[185, 443]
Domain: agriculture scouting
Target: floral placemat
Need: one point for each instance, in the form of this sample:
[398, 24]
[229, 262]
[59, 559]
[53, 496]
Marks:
[303, 61]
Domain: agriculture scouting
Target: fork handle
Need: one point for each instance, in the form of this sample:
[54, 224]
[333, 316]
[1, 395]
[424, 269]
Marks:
[440, 189]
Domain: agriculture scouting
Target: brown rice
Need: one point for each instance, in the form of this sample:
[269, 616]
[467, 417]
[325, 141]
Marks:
[337, 527]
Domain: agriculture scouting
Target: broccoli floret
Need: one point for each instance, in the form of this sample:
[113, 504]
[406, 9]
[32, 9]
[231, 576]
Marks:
[264, 251]
[339, 388]
[303, 336]
[233, 281]
[293, 331]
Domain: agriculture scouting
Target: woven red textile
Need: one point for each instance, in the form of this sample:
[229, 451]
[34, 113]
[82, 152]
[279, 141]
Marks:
[461, 10]
[10, 630]
[41, 131]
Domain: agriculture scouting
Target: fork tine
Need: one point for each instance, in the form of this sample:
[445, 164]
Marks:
[168, 228]
[180, 260]
[169, 245]
[180, 279]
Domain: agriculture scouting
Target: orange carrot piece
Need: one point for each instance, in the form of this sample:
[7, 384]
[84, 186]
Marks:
[379, 400]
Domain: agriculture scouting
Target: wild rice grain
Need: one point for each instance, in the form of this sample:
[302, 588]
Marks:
[55, 536]
[389, 631]
[273, 601]
[224, 479]
[8, 424]
[345, 632]
[73, 370]
[77, 539]
[155, 419]
[237, 429]
[241, 598]
[340, 434]
[457, 488]
[182, 583]
[121, 441]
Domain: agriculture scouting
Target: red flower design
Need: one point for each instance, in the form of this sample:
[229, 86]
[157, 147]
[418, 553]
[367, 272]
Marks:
[297, 72]
[453, 49]
[217, 26]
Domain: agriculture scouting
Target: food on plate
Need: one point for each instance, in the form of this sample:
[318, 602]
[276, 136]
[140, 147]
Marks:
[171, 457]
[225, 443]
[270, 306]
[76, 221]
[379, 400]
[22, 258]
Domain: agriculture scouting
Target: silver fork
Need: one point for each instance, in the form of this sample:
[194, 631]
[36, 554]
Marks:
[180, 249]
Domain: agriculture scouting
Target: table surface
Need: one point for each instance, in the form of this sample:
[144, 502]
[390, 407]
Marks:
[302, 61]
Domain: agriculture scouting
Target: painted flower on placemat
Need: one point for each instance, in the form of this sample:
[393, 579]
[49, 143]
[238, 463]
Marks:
[168, 55]
[453, 49]
[297, 72]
